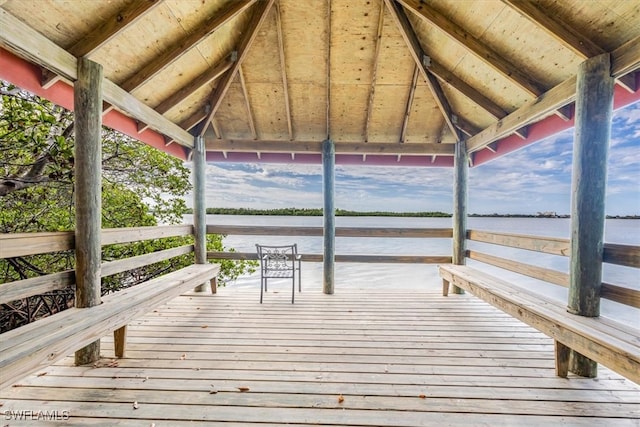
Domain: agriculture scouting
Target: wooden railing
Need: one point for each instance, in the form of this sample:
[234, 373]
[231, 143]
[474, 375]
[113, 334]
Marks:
[446, 233]
[26, 244]
[624, 255]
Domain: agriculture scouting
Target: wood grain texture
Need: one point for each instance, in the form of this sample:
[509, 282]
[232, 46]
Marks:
[39, 344]
[406, 357]
[615, 348]
[88, 192]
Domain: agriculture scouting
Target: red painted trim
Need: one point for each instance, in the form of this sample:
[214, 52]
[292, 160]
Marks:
[341, 159]
[27, 76]
[550, 126]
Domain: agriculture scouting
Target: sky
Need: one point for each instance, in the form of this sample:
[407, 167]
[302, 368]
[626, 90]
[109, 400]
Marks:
[533, 179]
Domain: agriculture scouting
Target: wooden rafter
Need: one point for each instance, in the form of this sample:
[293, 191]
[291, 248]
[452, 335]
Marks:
[341, 147]
[410, 37]
[261, 10]
[466, 89]
[466, 127]
[374, 76]
[624, 60]
[407, 110]
[570, 37]
[163, 60]
[247, 103]
[475, 46]
[328, 109]
[559, 96]
[208, 76]
[98, 37]
[28, 43]
[216, 129]
[283, 66]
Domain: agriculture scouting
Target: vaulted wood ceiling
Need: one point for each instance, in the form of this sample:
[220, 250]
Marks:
[391, 82]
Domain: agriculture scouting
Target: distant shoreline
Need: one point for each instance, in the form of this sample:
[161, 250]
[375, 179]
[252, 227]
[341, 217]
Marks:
[343, 212]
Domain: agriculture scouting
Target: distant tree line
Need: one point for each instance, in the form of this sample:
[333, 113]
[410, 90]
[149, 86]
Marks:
[344, 212]
[317, 212]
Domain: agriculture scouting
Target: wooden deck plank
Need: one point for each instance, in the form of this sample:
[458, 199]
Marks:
[405, 358]
[253, 399]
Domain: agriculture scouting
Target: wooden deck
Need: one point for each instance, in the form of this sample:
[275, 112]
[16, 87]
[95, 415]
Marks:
[380, 358]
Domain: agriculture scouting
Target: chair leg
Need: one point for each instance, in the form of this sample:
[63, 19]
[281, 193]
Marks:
[299, 277]
[293, 288]
[261, 289]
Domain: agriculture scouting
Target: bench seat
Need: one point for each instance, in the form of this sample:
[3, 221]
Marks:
[39, 344]
[613, 344]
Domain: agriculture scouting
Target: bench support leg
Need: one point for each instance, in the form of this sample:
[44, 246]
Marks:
[214, 285]
[562, 359]
[445, 288]
[582, 365]
[120, 341]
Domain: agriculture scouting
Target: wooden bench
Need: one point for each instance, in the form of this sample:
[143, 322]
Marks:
[614, 345]
[37, 345]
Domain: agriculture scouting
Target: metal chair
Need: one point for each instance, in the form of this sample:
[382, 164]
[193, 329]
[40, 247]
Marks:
[279, 262]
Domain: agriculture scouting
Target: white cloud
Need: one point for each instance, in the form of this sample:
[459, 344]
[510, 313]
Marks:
[535, 178]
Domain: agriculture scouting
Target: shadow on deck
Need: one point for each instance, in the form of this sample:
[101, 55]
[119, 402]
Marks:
[379, 358]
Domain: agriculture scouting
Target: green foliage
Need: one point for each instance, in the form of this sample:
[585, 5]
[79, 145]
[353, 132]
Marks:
[318, 212]
[141, 186]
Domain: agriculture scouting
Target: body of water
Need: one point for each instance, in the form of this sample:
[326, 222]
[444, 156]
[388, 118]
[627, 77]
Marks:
[391, 276]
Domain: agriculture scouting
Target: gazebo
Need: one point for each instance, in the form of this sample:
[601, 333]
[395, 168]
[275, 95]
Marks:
[445, 83]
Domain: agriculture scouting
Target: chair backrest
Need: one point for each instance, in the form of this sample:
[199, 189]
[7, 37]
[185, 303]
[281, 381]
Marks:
[277, 258]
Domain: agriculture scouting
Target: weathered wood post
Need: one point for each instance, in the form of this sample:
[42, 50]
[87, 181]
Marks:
[328, 180]
[460, 178]
[199, 208]
[594, 104]
[88, 193]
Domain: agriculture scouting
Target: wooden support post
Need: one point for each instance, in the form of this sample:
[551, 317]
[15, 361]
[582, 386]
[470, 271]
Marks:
[199, 208]
[88, 194]
[562, 359]
[460, 174]
[120, 341]
[594, 105]
[328, 176]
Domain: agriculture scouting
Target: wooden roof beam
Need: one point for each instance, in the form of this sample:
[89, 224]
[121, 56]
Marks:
[24, 41]
[247, 104]
[208, 76]
[328, 65]
[361, 148]
[624, 60]
[407, 110]
[98, 37]
[568, 36]
[261, 10]
[163, 60]
[559, 96]
[372, 91]
[283, 66]
[410, 37]
[475, 46]
[466, 89]
[112, 27]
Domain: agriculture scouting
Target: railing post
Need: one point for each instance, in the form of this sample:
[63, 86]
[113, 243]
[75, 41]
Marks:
[460, 174]
[594, 105]
[88, 198]
[199, 208]
[328, 179]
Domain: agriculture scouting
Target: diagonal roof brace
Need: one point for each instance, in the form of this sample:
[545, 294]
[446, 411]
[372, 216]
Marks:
[410, 37]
